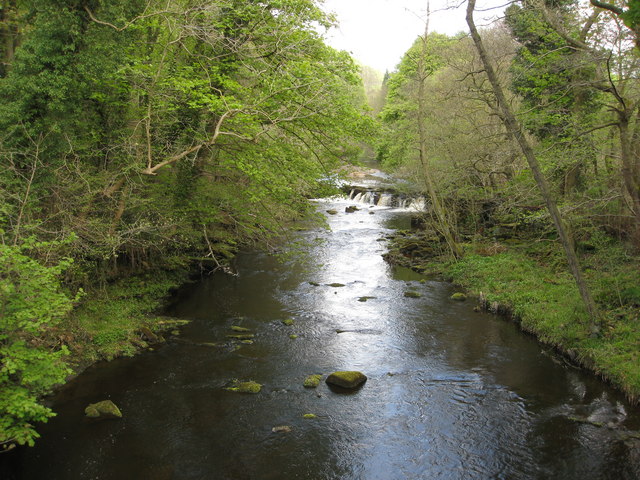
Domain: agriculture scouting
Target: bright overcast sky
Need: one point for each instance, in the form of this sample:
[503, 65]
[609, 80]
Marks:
[379, 32]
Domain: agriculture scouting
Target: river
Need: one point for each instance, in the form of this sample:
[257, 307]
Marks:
[451, 393]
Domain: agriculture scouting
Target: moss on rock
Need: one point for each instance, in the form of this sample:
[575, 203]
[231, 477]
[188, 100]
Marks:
[460, 297]
[346, 379]
[103, 409]
[238, 329]
[312, 381]
[245, 387]
[241, 336]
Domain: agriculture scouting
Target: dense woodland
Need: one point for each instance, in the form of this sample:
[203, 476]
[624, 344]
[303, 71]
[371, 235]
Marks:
[525, 137]
[138, 138]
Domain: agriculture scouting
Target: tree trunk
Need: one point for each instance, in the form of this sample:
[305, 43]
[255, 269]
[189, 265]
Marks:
[8, 35]
[438, 209]
[514, 128]
[630, 170]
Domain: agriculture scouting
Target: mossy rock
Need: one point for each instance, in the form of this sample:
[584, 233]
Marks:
[332, 212]
[247, 342]
[412, 294]
[103, 409]
[314, 284]
[245, 387]
[336, 285]
[241, 336]
[288, 322]
[312, 381]
[293, 336]
[351, 209]
[309, 416]
[238, 329]
[364, 299]
[459, 297]
[346, 379]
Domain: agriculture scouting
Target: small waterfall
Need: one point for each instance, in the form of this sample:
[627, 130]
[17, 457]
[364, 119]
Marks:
[369, 198]
[387, 199]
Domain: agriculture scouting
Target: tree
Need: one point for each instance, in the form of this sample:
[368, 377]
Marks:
[32, 303]
[515, 130]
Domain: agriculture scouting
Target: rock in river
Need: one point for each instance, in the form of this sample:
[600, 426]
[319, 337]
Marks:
[346, 379]
[459, 296]
[312, 381]
[245, 387]
[103, 409]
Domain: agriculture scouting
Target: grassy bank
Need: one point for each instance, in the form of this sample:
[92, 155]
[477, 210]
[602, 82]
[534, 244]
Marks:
[121, 318]
[529, 282]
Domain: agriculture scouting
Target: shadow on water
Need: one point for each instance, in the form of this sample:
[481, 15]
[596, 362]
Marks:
[451, 394]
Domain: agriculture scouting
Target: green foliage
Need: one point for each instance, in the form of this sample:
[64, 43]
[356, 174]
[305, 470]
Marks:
[550, 76]
[546, 302]
[32, 304]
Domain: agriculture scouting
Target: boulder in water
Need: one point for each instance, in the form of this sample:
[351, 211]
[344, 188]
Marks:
[332, 212]
[460, 297]
[412, 294]
[238, 329]
[312, 381]
[346, 379]
[103, 409]
[351, 209]
[288, 322]
[245, 387]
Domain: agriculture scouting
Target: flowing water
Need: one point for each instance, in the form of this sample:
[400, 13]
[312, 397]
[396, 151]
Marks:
[451, 394]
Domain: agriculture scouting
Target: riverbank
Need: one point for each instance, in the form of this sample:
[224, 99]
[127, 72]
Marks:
[121, 318]
[528, 282]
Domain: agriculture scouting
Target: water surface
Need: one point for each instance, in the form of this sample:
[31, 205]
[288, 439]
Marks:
[451, 394]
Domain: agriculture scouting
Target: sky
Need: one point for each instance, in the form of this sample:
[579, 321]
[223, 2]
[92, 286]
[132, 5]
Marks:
[379, 32]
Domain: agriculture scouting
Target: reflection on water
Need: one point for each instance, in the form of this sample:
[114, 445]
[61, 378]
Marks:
[452, 394]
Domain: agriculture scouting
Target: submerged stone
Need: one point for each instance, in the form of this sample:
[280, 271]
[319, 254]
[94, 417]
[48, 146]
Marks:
[460, 297]
[282, 429]
[314, 284]
[241, 336]
[312, 381]
[346, 379]
[288, 322]
[103, 409]
[412, 294]
[293, 337]
[236, 328]
[336, 285]
[309, 416]
[245, 387]
[364, 299]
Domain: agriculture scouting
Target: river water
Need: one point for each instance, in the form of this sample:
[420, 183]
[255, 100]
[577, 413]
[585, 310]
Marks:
[451, 393]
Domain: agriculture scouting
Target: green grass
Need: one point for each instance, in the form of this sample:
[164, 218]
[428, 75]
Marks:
[105, 325]
[532, 284]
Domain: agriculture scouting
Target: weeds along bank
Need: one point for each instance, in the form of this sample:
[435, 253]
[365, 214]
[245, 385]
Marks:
[526, 279]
